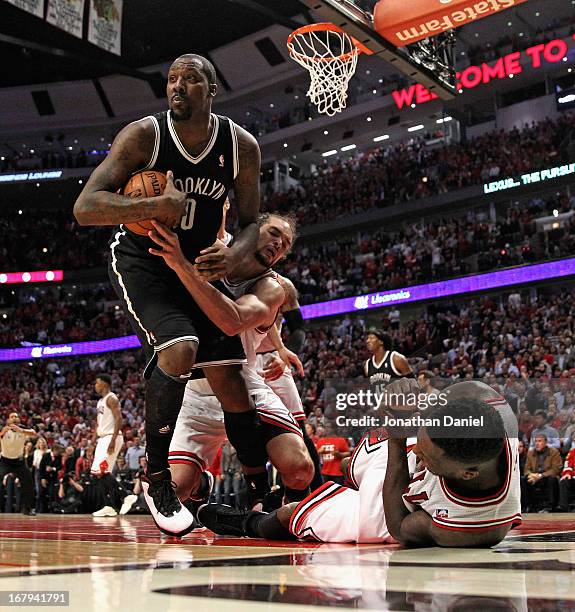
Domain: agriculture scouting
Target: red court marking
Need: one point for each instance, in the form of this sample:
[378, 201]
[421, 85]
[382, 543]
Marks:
[543, 526]
[137, 530]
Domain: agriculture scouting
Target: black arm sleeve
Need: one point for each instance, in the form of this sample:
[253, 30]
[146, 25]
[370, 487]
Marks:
[295, 325]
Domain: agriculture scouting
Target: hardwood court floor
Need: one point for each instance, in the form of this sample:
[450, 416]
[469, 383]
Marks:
[124, 563]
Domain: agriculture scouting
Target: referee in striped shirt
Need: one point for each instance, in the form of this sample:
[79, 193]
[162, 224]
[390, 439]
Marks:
[12, 441]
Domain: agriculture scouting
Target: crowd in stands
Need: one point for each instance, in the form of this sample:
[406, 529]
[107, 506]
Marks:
[369, 179]
[52, 316]
[58, 400]
[378, 259]
[53, 241]
[50, 158]
[517, 41]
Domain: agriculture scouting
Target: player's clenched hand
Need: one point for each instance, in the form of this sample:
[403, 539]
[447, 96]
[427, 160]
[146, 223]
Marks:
[215, 262]
[400, 401]
[169, 244]
[291, 359]
[171, 204]
[273, 369]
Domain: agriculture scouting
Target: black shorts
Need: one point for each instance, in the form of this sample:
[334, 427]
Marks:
[160, 308]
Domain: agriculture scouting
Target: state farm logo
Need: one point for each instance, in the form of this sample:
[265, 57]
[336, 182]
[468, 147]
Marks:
[361, 302]
[37, 351]
[425, 18]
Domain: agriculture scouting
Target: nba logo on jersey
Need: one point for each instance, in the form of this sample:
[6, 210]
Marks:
[221, 161]
[441, 513]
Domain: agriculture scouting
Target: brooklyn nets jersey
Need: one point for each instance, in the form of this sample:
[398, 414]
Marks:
[206, 179]
[381, 374]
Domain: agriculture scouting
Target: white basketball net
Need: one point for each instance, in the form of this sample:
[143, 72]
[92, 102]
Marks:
[330, 57]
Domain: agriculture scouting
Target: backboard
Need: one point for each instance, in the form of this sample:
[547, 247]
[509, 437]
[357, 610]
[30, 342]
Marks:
[429, 62]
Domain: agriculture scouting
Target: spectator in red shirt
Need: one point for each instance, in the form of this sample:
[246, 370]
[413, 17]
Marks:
[567, 482]
[332, 449]
[310, 428]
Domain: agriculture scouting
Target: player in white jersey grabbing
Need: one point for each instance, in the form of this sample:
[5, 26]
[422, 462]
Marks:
[464, 492]
[110, 442]
[258, 298]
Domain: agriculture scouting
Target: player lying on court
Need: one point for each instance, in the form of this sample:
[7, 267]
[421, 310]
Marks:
[458, 490]
[200, 429]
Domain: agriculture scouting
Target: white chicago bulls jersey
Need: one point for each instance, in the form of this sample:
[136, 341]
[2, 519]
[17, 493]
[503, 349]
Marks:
[450, 510]
[105, 416]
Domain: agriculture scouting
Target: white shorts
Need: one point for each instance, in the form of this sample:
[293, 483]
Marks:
[200, 429]
[103, 462]
[284, 387]
[334, 513]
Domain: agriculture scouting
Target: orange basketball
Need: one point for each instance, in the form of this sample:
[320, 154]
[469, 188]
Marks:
[146, 184]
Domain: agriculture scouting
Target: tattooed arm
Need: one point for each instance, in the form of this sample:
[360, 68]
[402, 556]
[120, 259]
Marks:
[218, 261]
[247, 192]
[99, 204]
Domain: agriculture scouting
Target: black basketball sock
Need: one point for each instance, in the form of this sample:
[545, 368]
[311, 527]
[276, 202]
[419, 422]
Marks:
[317, 479]
[164, 395]
[258, 487]
[260, 525]
[296, 495]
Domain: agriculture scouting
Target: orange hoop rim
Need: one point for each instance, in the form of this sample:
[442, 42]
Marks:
[326, 27]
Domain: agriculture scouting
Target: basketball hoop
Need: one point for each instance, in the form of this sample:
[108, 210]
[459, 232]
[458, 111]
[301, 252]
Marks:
[330, 56]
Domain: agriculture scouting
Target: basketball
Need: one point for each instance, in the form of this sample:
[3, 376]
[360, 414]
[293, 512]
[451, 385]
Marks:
[145, 184]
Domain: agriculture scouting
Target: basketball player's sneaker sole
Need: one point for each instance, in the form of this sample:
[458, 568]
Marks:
[223, 519]
[170, 516]
[127, 504]
[105, 511]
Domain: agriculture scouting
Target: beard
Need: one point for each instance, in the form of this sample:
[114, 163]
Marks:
[181, 114]
[262, 259]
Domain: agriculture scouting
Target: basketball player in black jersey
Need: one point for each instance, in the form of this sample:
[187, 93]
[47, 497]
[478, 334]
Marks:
[385, 365]
[204, 156]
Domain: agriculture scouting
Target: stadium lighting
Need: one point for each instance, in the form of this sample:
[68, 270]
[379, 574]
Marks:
[414, 128]
[380, 138]
[328, 153]
[444, 119]
[348, 147]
